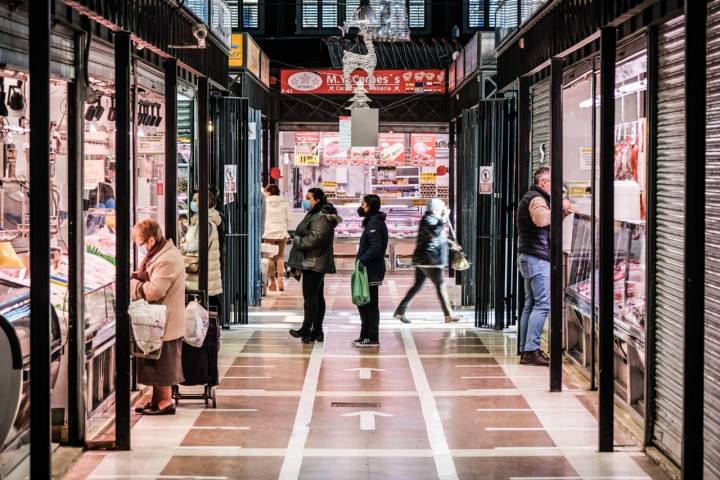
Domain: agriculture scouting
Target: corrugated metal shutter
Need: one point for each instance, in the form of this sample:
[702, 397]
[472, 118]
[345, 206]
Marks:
[712, 249]
[669, 270]
[540, 124]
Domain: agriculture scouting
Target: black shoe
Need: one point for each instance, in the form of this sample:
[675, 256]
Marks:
[169, 410]
[537, 358]
[320, 337]
[357, 340]
[147, 406]
[308, 339]
[299, 333]
[367, 343]
[401, 317]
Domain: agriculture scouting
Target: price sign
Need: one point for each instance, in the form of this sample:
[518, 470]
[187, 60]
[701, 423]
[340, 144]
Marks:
[307, 149]
[428, 178]
[329, 186]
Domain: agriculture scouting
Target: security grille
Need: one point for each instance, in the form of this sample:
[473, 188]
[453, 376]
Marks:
[540, 124]
[670, 235]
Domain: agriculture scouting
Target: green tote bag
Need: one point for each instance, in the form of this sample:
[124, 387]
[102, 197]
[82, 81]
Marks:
[360, 286]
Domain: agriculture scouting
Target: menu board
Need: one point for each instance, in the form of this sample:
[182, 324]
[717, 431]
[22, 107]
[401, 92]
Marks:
[422, 149]
[391, 149]
[265, 70]
[307, 145]
[333, 153]
[252, 57]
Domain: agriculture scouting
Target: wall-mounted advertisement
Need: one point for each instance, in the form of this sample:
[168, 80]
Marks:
[252, 57]
[391, 149]
[236, 50]
[307, 146]
[333, 153]
[422, 149]
[265, 70]
[386, 82]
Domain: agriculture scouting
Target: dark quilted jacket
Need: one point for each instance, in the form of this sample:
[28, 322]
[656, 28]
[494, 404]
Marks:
[312, 245]
[431, 248]
[373, 244]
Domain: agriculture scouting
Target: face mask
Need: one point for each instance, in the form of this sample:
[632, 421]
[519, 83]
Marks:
[193, 206]
[306, 205]
[361, 212]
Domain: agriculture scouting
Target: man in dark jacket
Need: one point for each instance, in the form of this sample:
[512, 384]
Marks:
[371, 257]
[533, 223]
[430, 259]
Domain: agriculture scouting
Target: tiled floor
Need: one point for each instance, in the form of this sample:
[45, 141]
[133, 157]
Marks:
[434, 401]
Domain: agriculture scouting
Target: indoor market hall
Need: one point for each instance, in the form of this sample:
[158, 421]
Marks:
[359, 239]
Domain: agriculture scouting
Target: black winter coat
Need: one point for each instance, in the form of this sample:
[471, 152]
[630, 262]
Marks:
[373, 244]
[431, 248]
[312, 245]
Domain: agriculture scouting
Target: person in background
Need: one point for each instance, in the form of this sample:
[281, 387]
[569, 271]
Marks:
[183, 225]
[430, 259]
[311, 258]
[533, 223]
[104, 194]
[160, 280]
[371, 256]
[277, 224]
[190, 248]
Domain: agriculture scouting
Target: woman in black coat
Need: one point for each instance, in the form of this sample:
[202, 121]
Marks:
[371, 255]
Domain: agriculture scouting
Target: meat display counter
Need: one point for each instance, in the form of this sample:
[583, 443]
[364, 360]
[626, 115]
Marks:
[629, 304]
[15, 370]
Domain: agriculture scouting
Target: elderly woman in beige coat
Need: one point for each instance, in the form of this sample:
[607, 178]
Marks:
[161, 280]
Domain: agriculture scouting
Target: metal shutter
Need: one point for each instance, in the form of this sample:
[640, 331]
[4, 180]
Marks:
[669, 270]
[712, 245]
[540, 124]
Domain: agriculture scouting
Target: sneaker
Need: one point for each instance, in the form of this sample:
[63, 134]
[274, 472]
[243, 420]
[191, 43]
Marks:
[402, 318]
[537, 358]
[366, 343]
[451, 319]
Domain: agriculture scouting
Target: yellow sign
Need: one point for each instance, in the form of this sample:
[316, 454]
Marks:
[329, 185]
[428, 178]
[236, 51]
[307, 160]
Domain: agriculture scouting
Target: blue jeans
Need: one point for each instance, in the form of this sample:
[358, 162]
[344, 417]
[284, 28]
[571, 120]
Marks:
[536, 273]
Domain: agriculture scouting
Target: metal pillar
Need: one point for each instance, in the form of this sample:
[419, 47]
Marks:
[606, 400]
[76, 334]
[123, 148]
[451, 194]
[203, 177]
[171, 149]
[694, 306]
[40, 453]
[593, 229]
[521, 173]
[556, 253]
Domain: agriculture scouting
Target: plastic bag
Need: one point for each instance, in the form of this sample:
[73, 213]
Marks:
[360, 286]
[148, 327]
[197, 321]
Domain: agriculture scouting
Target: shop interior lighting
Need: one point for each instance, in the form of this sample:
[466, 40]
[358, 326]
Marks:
[621, 91]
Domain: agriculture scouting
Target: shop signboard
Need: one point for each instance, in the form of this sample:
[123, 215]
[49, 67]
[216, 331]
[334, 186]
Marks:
[236, 50]
[422, 149]
[459, 70]
[230, 177]
[486, 180]
[391, 149]
[307, 145]
[451, 77]
[345, 127]
[252, 57]
[471, 56]
[265, 69]
[385, 82]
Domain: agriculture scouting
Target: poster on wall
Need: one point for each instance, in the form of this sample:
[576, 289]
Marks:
[391, 149]
[386, 82]
[362, 156]
[332, 153]
[422, 149]
[253, 57]
[307, 145]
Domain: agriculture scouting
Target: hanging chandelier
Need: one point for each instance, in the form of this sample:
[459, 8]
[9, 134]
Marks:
[386, 22]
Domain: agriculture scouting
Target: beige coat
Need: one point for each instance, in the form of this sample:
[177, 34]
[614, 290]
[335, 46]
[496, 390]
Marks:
[166, 286]
[190, 248]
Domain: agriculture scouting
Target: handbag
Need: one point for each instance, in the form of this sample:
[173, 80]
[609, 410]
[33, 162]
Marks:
[458, 259]
[360, 286]
[192, 263]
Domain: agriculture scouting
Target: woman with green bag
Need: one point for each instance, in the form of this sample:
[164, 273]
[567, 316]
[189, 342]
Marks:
[371, 259]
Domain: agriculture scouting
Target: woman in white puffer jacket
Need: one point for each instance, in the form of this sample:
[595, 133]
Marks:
[277, 224]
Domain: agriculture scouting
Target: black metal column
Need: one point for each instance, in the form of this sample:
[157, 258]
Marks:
[695, 154]
[40, 453]
[76, 334]
[521, 172]
[593, 228]
[123, 150]
[171, 149]
[606, 394]
[451, 190]
[651, 230]
[556, 253]
[203, 177]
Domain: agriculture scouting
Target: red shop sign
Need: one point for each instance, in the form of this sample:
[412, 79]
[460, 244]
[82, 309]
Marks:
[386, 82]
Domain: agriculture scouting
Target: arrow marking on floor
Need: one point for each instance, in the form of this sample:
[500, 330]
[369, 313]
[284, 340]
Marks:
[364, 373]
[367, 418]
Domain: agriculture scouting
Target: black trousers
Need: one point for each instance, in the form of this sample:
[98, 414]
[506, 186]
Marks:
[436, 277]
[370, 316]
[313, 290]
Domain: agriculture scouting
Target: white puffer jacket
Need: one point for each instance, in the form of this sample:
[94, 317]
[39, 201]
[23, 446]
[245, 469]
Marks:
[277, 218]
[190, 247]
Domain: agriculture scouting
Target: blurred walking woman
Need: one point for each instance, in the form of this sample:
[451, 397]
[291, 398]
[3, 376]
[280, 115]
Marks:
[312, 257]
[371, 255]
[161, 280]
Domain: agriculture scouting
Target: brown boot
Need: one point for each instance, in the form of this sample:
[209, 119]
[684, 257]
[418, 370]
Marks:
[272, 287]
[537, 358]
